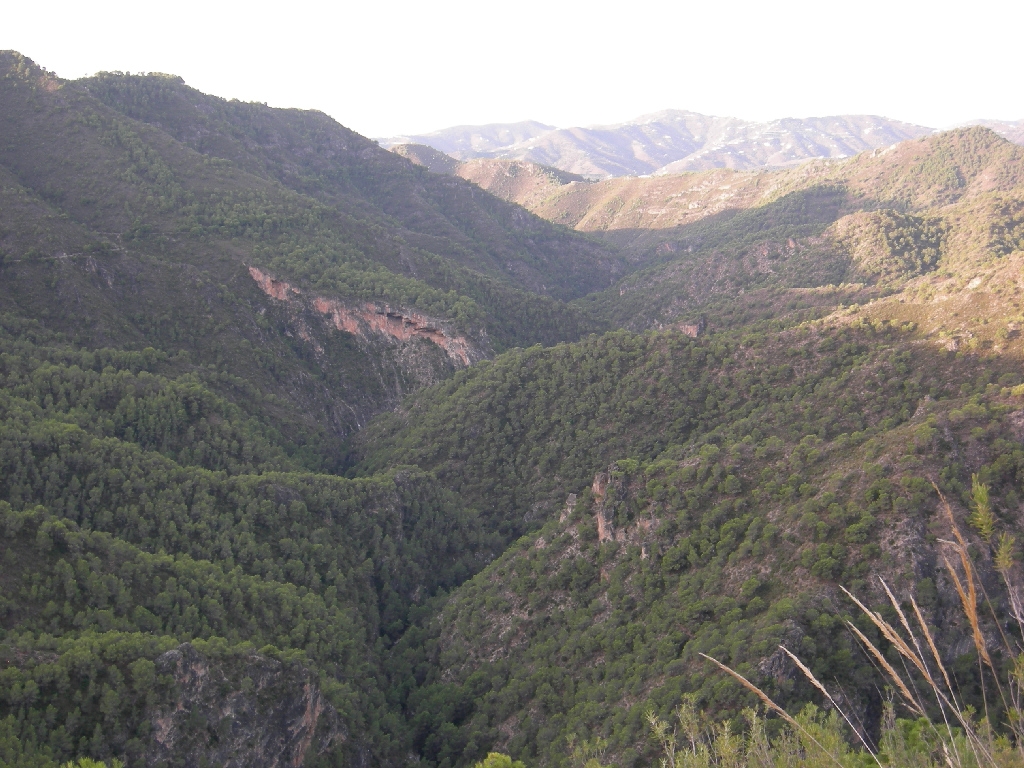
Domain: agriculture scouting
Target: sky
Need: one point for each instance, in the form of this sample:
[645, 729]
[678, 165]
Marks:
[392, 68]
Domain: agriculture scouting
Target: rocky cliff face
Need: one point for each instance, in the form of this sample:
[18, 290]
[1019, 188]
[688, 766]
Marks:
[251, 711]
[371, 319]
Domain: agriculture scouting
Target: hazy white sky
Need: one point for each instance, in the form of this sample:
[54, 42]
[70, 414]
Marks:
[409, 67]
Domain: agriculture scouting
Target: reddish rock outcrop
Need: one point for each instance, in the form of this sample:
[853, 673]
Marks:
[277, 289]
[694, 331]
[373, 318]
[605, 527]
[370, 319]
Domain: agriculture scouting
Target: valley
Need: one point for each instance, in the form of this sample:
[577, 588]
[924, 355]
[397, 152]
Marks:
[319, 454]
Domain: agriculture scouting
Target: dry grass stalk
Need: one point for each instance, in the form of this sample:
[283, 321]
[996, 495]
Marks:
[979, 737]
[912, 703]
[968, 596]
[969, 601]
[764, 697]
[918, 657]
[945, 703]
[984, 521]
[982, 753]
[814, 681]
[935, 651]
[889, 633]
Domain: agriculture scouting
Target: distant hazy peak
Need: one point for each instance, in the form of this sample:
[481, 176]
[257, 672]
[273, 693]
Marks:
[465, 141]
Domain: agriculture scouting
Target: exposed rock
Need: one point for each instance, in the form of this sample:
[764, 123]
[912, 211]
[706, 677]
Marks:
[570, 505]
[375, 319]
[605, 526]
[277, 289]
[694, 330]
[249, 711]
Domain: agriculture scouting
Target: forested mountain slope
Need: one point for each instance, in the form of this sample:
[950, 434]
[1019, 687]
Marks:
[1011, 129]
[310, 153]
[700, 496]
[142, 511]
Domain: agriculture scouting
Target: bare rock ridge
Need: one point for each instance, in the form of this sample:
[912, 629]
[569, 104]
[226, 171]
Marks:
[371, 319]
[608, 491]
[605, 525]
[257, 712]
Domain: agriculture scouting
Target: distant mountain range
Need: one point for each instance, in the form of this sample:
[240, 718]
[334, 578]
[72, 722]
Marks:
[674, 141]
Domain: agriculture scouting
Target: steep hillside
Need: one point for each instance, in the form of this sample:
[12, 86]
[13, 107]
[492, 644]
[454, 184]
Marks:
[142, 511]
[938, 169]
[200, 300]
[671, 141]
[516, 181]
[522, 182]
[310, 456]
[310, 153]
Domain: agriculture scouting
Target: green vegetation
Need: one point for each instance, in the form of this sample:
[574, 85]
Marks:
[458, 253]
[731, 252]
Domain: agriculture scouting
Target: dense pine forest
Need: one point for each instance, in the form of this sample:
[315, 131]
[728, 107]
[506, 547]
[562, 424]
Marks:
[310, 456]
